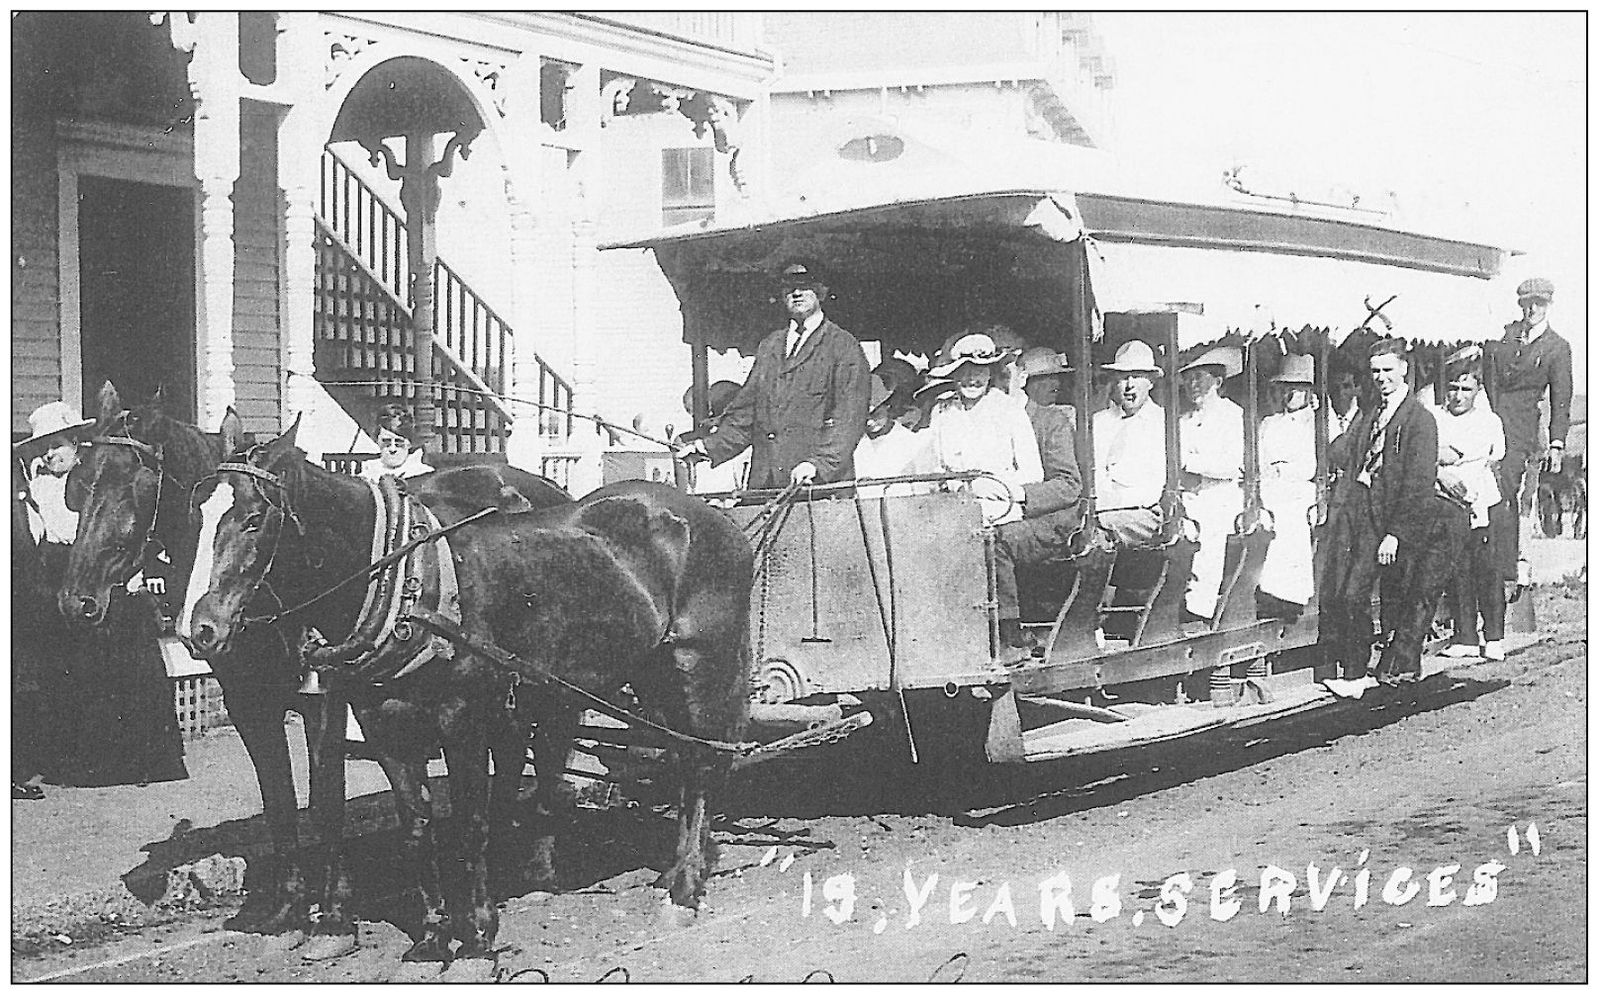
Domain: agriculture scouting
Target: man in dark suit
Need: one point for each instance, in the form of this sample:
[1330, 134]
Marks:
[1385, 516]
[805, 404]
[1052, 508]
[1531, 362]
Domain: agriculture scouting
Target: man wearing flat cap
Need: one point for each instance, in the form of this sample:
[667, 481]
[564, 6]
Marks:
[1531, 361]
[804, 406]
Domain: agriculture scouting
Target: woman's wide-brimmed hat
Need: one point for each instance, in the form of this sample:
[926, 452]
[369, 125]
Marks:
[1134, 356]
[979, 349]
[54, 418]
[1296, 369]
[933, 390]
[1227, 356]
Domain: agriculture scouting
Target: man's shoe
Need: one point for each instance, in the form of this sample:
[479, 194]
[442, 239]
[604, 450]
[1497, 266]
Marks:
[1456, 651]
[1494, 651]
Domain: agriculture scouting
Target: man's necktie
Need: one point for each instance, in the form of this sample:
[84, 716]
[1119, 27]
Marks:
[1376, 445]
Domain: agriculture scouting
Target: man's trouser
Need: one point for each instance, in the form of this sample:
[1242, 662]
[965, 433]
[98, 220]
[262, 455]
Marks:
[1411, 587]
[1345, 622]
[1134, 527]
[1518, 478]
[1029, 542]
[1213, 505]
[1478, 588]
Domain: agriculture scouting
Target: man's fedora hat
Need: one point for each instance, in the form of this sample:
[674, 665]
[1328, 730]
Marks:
[979, 349]
[1537, 288]
[1297, 369]
[54, 418]
[1134, 356]
[1227, 356]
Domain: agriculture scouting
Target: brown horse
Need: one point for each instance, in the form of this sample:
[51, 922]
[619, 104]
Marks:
[635, 584]
[132, 490]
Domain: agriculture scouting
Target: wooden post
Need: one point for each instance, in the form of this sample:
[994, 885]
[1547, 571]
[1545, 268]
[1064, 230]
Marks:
[1084, 376]
[1252, 468]
[698, 386]
[1170, 367]
[420, 197]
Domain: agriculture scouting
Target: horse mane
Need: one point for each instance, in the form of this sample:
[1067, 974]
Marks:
[187, 453]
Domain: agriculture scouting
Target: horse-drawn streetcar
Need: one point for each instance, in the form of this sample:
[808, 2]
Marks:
[884, 598]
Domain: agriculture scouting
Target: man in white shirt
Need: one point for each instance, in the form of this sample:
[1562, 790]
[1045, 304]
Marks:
[1211, 452]
[1130, 449]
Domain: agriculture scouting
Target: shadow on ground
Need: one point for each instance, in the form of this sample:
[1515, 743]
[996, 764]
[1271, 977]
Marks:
[870, 774]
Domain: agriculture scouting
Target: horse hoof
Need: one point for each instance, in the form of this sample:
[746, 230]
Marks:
[286, 941]
[418, 972]
[258, 920]
[470, 970]
[672, 917]
[326, 947]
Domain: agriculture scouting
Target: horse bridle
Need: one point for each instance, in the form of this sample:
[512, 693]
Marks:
[150, 461]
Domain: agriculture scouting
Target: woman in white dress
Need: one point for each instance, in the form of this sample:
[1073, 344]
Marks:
[1289, 462]
[979, 426]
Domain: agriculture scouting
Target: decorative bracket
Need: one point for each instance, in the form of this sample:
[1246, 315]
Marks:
[342, 48]
[489, 73]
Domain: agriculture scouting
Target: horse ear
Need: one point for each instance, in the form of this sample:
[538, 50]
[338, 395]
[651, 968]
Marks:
[158, 397]
[233, 432]
[110, 406]
[282, 445]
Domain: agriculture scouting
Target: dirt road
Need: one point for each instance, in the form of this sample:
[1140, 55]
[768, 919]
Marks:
[824, 862]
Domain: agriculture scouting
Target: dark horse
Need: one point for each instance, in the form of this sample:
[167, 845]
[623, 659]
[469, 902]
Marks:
[635, 584]
[134, 498]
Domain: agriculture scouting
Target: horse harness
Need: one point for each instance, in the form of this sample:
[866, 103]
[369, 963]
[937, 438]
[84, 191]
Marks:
[384, 644]
[416, 589]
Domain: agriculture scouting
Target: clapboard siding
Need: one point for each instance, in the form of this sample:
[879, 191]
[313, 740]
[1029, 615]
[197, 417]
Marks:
[35, 307]
[257, 349]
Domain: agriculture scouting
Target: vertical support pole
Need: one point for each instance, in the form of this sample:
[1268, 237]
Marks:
[1170, 367]
[698, 386]
[299, 178]
[420, 197]
[215, 82]
[1080, 328]
[1252, 467]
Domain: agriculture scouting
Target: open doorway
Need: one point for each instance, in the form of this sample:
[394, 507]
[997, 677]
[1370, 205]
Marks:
[136, 264]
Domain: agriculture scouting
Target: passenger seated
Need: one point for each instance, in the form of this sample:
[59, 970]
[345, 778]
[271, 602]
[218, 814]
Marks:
[889, 448]
[1043, 373]
[1211, 452]
[1051, 508]
[1289, 462]
[980, 427]
[1130, 449]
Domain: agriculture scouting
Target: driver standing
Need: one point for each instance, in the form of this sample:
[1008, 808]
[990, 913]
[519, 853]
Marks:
[804, 406]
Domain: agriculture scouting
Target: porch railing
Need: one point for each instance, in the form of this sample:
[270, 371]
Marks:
[365, 328]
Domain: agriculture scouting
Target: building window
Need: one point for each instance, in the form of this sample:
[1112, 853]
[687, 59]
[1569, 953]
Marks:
[687, 185]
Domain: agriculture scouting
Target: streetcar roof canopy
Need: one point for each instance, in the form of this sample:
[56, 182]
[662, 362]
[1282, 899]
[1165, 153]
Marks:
[926, 243]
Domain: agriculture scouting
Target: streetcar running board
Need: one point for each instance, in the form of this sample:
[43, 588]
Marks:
[1293, 693]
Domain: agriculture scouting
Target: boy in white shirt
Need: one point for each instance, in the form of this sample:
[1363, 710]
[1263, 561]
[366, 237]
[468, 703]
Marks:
[1472, 443]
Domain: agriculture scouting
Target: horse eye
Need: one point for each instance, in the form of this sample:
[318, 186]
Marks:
[253, 523]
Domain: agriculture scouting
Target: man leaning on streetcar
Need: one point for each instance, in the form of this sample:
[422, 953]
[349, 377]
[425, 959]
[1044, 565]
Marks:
[803, 408]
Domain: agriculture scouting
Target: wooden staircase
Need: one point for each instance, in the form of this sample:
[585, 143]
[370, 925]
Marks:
[365, 350]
